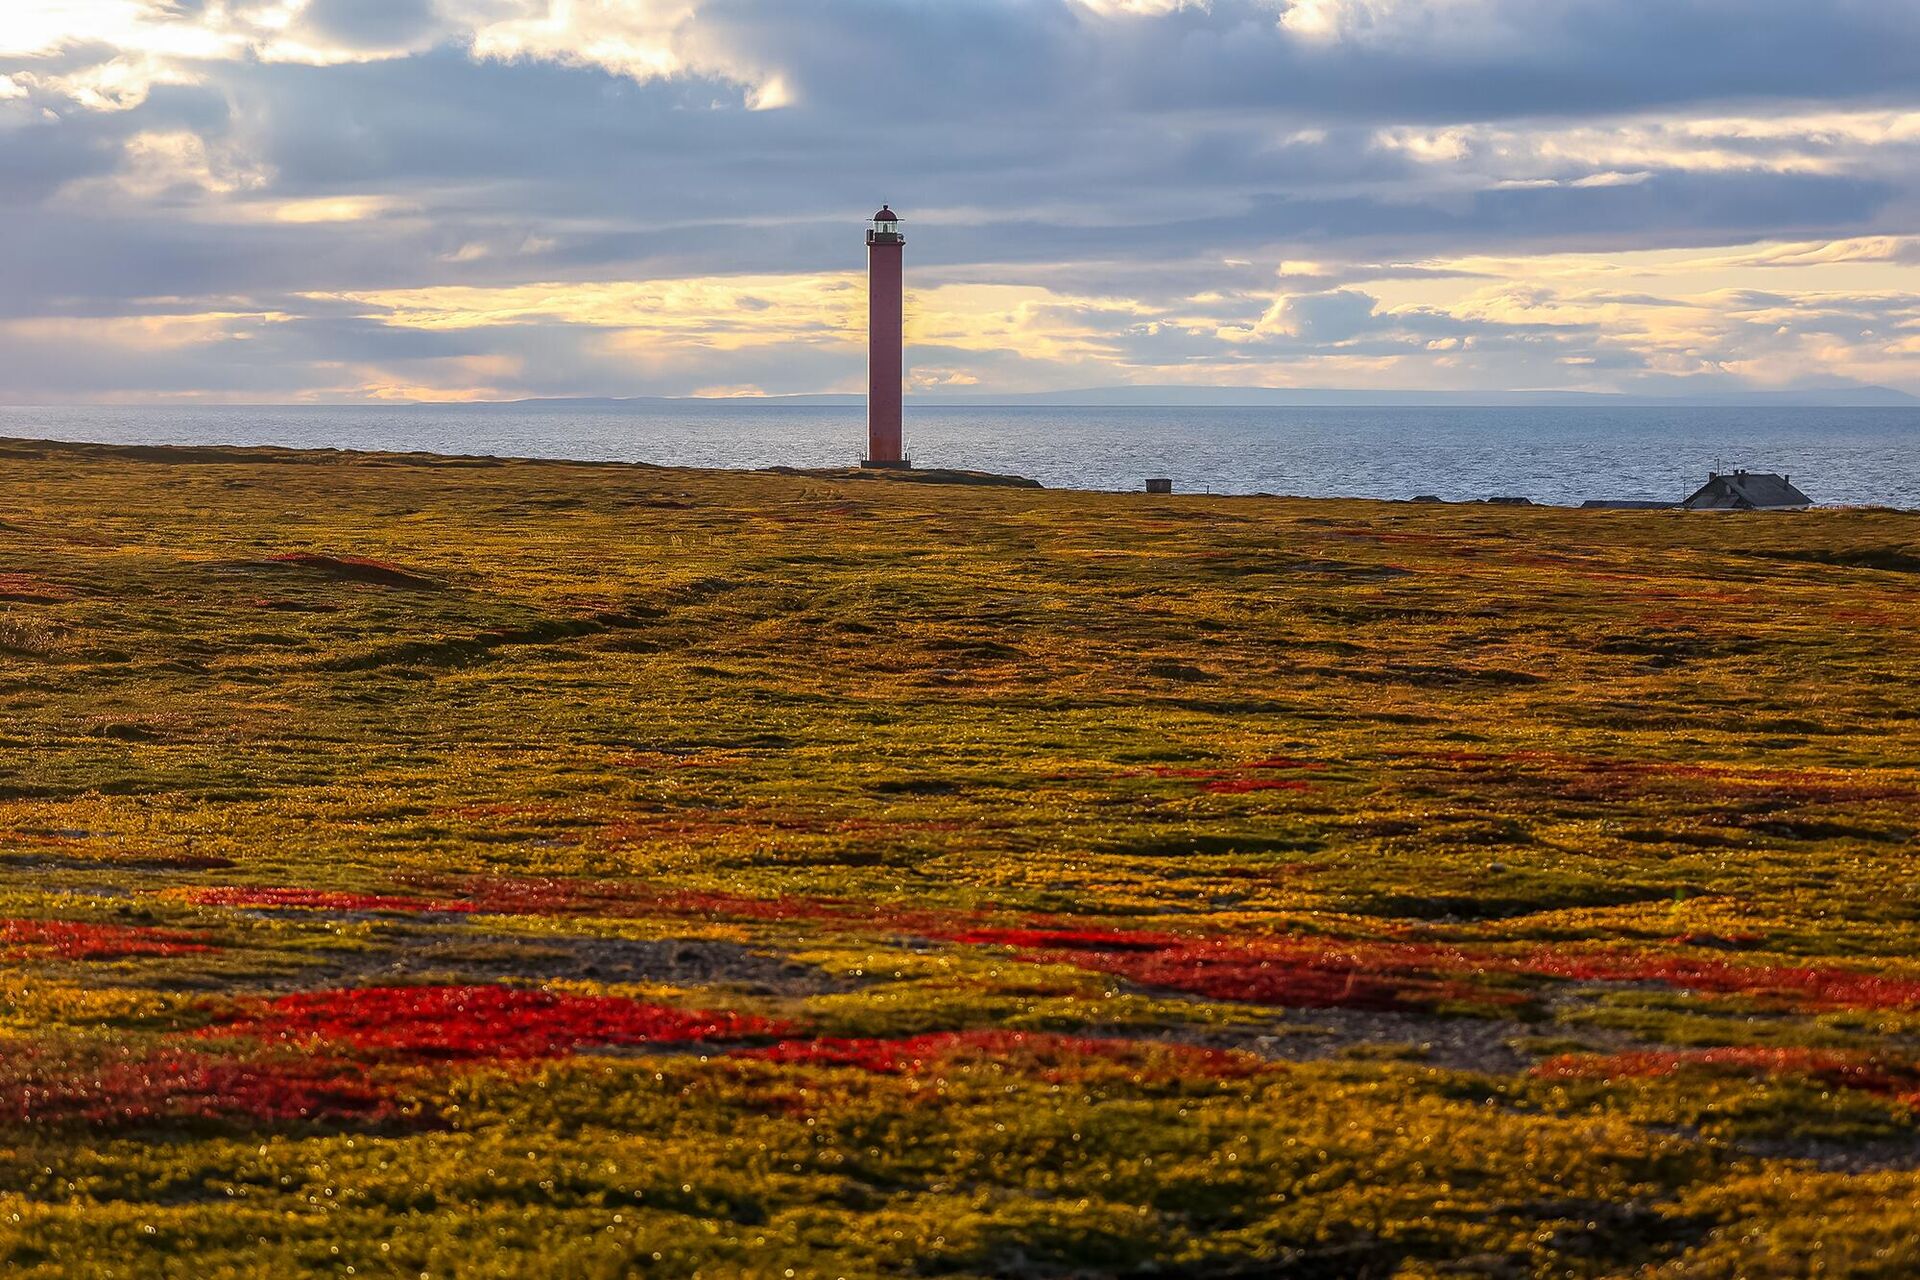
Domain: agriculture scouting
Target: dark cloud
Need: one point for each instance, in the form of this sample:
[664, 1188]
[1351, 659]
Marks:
[36, 160]
[1415, 61]
[1328, 317]
[370, 24]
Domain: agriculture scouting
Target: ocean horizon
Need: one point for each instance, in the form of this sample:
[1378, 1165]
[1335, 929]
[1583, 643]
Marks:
[1562, 455]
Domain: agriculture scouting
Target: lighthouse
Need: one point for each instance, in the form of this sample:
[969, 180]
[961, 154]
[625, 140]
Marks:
[884, 311]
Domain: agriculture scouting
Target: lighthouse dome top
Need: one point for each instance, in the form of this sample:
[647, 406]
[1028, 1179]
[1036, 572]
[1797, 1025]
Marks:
[885, 228]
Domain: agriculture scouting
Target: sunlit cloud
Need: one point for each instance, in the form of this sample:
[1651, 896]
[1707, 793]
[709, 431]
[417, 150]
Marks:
[1627, 151]
[732, 313]
[173, 166]
[725, 311]
[330, 209]
[455, 380]
[138, 333]
[1391, 22]
[642, 39]
[1584, 317]
[157, 41]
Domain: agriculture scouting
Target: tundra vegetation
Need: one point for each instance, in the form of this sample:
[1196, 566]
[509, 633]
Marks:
[424, 866]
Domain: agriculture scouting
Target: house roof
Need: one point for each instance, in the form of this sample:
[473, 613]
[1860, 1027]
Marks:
[1755, 489]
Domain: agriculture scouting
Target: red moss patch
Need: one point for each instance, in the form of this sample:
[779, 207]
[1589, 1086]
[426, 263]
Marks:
[1305, 973]
[82, 940]
[1286, 973]
[1801, 987]
[459, 1023]
[1719, 941]
[317, 900]
[1300, 977]
[1326, 973]
[183, 1086]
[1316, 973]
[1071, 939]
[1835, 1068]
[25, 588]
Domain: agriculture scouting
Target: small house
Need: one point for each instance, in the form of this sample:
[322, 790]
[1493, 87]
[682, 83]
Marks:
[1747, 491]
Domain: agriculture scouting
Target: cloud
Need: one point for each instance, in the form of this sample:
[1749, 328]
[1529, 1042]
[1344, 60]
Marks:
[640, 39]
[622, 196]
[168, 168]
[371, 24]
[1332, 317]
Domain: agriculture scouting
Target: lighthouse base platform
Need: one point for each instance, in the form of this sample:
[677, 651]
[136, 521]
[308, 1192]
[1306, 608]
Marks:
[897, 464]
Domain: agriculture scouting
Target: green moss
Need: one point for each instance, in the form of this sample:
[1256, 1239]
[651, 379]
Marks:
[824, 752]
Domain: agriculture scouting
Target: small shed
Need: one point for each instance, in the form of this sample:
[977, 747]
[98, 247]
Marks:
[1747, 491]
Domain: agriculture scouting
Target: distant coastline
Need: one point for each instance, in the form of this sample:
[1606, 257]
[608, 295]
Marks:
[1181, 397]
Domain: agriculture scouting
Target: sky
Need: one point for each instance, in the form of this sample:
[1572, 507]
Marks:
[384, 200]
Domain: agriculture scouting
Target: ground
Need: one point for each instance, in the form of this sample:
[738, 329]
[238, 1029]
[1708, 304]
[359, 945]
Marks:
[422, 866]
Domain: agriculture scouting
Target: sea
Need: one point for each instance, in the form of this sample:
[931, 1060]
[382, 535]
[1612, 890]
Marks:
[1839, 456]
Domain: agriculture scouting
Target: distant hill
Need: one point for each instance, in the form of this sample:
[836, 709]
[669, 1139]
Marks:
[1175, 396]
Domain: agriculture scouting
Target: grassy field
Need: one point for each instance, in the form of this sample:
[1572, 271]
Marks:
[418, 867]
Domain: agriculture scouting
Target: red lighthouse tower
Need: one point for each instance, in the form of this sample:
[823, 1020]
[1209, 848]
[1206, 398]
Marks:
[884, 312]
